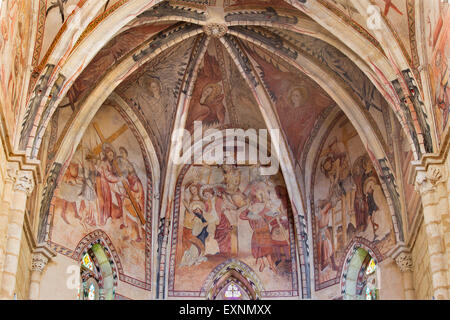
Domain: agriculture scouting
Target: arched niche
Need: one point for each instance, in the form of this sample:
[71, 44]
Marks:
[360, 274]
[192, 257]
[99, 272]
[105, 189]
[348, 203]
[237, 273]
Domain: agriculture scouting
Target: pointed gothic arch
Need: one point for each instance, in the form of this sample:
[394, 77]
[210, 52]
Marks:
[228, 271]
[106, 260]
[355, 262]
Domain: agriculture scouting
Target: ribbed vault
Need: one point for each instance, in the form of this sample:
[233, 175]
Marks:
[292, 66]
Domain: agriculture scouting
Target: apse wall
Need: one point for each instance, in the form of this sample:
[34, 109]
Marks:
[248, 228]
[104, 195]
[349, 210]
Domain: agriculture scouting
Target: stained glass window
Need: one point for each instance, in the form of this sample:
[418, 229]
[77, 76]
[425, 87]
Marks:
[233, 292]
[91, 293]
[371, 294]
[372, 267]
[87, 262]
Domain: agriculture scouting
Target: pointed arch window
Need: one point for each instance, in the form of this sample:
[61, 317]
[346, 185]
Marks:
[87, 262]
[371, 281]
[91, 292]
[233, 292]
[96, 275]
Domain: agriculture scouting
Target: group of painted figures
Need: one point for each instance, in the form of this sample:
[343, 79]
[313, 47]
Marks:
[355, 204]
[104, 187]
[213, 214]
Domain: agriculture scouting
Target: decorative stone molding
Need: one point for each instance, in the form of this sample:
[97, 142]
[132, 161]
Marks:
[402, 256]
[215, 30]
[404, 262]
[39, 261]
[427, 181]
[11, 173]
[41, 257]
[24, 182]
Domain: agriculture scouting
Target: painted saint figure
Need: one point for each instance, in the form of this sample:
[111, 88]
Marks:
[109, 187]
[261, 242]
[211, 244]
[70, 189]
[379, 212]
[195, 228]
[326, 254]
[136, 190]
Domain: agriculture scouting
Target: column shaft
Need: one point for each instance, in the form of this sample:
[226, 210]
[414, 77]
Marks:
[22, 188]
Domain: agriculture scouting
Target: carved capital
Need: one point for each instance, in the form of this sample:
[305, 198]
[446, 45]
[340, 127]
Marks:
[39, 261]
[427, 181]
[24, 182]
[404, 262]
[215, 30]
[11, 173]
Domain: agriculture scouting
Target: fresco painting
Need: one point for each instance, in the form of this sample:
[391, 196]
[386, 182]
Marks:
[298, 100]
[231, 212]
[110, 54]
[153, 92]
[439, 68]
[15, 29]
[241, 98]
[208, 103]
[348, 202]
[106, 187]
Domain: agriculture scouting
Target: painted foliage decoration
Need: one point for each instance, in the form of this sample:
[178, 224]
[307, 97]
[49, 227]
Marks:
[107, 186]
[348, 203]
[231, 212]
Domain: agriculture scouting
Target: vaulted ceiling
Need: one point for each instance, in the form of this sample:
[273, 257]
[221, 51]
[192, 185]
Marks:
[273, 64]
[293, 65]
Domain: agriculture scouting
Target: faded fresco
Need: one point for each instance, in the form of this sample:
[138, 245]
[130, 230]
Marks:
[412, 197]
[245, 110]
[106, 186]
[221, 96]
[348, 202]
[298, 100]
[153, 92]
[208, 103]
[231, 212]
[56, 14]
[109, 55]
[15, 34]
[439, 67]
[396, 14]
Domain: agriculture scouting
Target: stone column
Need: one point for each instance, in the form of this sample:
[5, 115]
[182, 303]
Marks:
[22, 189]
[41, 256]
[5, 203]
[430, 184]
[404, 262]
